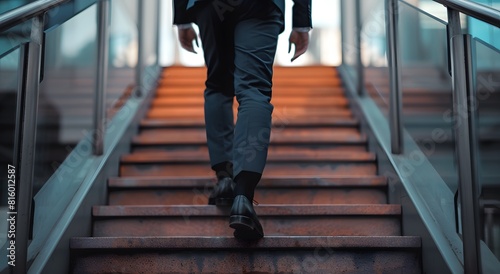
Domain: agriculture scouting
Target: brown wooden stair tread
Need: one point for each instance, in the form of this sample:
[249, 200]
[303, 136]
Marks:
[303, 101]
[285, 112]
[272, 169]
[273, 254]
[261, 210]
[278, 122]
[278, 91]
[266, 182]
[295, 242]
[278, 190]
[194, 220]
[279, 136]
[284, 155]
[277, 82]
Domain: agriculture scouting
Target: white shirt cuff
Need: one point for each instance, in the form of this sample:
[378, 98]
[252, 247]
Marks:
[302, 29]
[184, 26]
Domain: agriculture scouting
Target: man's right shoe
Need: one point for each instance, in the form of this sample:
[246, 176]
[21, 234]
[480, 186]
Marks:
[223, 193]
[244, 220]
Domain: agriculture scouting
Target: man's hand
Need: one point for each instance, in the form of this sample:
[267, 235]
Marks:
[301, 42]
[186, 37]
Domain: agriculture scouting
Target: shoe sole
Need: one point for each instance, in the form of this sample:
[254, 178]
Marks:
[244, 228]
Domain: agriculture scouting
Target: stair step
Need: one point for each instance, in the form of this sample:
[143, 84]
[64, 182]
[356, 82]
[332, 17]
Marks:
[299, 70]
[277, 82]
[277, 220]
[173, 112]
[225, 254]
[277, 122]
[284, 190]
[278, 136]
[283, 155]
[278, 72]
[202, 148]
[278, 92]
[278, 101]
[272, 169]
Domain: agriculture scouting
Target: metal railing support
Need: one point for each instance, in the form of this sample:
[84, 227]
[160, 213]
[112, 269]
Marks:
[359, 61]
[158, 31]
[393, 56]
[463, 110]
[140, 49]
[102, 76]
[342, 28]
[26, 161]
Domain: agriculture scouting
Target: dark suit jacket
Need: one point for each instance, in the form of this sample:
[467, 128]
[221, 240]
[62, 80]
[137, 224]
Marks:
[301, 11]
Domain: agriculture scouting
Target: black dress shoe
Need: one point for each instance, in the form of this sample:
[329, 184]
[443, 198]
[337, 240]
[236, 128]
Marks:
[244, 220]
[223, 193]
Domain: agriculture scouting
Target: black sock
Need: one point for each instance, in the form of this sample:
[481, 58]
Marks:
[246, 181]
[223, 170]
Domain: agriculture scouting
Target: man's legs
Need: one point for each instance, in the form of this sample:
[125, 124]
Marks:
[256, 36]
[217, 40]
[257, 26]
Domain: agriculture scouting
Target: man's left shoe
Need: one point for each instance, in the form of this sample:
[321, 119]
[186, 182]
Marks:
[223, 193]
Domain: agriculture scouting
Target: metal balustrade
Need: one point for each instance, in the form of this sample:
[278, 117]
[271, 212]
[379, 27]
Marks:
[28, 41]
[471, 255]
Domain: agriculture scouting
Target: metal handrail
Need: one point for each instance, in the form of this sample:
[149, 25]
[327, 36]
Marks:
[28, 11]
[476, 10]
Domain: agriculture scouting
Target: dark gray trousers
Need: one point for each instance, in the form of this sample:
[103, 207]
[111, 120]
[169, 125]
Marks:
[239, 40]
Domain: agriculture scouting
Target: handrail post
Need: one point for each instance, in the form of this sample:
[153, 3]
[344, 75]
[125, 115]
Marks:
[140, 49]
[342, 28]
[359, 61]
[101, 77]
[463, 86]
[25, 173]
[393, 58]
[158, 31]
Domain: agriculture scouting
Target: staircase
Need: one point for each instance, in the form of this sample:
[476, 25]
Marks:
[322, 205]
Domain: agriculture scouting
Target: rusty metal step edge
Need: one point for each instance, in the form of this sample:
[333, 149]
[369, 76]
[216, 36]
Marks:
[152, 158]
[363, 140]
[270, 242]
[266, 182]
[162, 123]
[261, 210]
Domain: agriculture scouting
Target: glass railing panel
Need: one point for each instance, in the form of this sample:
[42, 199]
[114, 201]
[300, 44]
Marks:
[150, 36]
[7, 5]
[65, 111]
[123, 41]
[374, 45]
[349, 30]
[10, 70]
[491, 3]
[484, 31]
[427, 88]
[431, 7]
[488, 109]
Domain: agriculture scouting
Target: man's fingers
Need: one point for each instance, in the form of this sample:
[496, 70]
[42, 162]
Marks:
[196, 41]
[297, 54]
[299, 50]
[186, 37]
[186, 45]
[301, 41]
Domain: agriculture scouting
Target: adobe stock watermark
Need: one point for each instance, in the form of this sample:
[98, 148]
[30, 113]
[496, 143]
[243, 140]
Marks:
[11, 215]
[223, 6]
